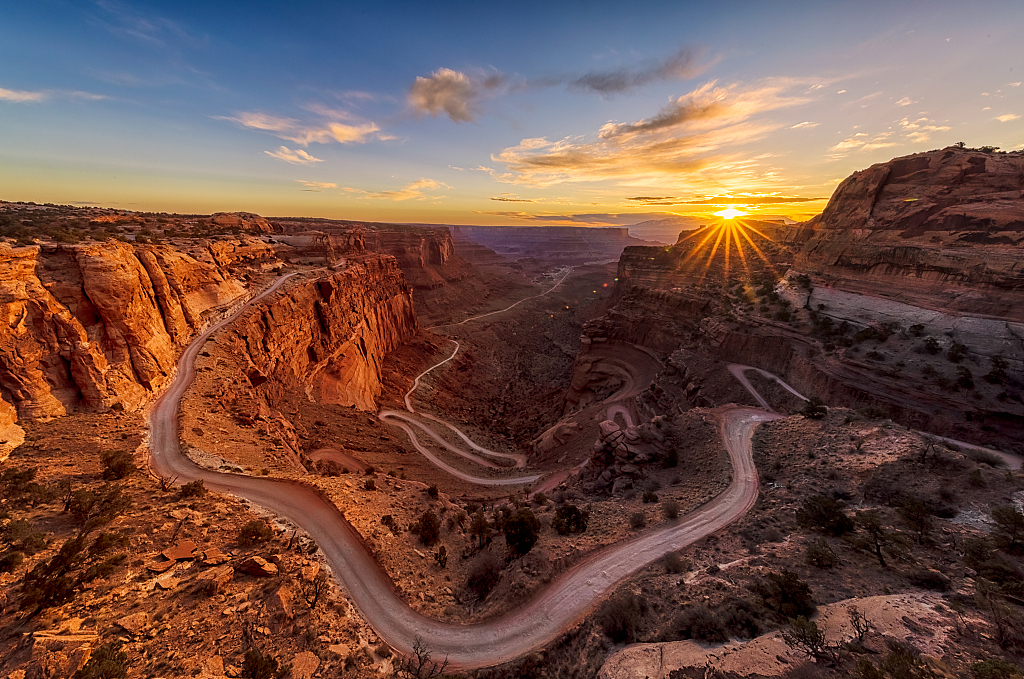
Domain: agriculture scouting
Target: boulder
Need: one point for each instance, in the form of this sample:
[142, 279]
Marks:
[180, 551]
[134, 623]
[214, 580]
[304, 665]
[258, 566]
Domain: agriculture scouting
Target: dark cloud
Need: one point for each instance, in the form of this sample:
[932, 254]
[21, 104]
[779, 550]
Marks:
[681, 65]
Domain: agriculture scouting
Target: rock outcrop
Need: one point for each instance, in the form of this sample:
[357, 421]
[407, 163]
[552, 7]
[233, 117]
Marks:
[328, 336]
[426, 255]
[91, 326]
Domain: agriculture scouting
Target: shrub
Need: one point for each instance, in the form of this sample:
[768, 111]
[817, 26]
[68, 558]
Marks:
[976, 479]
[650, 496]
[815, 409]
[637, 520]
[929, 579]
[254, 532]
[431, 491]
[108, 661]
[956, 352]
[369, 484]
[996, 668]
[820, 555]
[700, 622]
[259, 665]
[484, 577]
[785, 593]
[428, 527]
[620, 617]
[570, 519]
[931, 345]
[740, 617]
[521, 531]
[671, 509]
[441, 557]
[673, 564]
[1009, 526]
[10, 561]
[194, 489]
[117, 464]
[824, 515]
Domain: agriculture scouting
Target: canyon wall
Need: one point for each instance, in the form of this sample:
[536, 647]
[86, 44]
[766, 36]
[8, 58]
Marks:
[328, 336]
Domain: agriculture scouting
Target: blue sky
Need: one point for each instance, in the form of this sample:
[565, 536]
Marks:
[520, 113]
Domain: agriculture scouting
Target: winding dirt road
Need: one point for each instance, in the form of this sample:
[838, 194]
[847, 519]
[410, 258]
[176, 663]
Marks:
[565, 601]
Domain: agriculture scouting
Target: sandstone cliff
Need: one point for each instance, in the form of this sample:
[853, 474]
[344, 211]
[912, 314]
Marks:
[941, 230]
[91, 326]
[328, 336]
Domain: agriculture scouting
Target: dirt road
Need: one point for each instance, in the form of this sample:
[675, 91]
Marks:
[541, 620]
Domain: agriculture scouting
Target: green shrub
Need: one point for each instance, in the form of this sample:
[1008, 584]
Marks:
[521, 531]
[117, 464]
[254, 532]
[195, 488]
[620, 617]
[570, 519]
[671, 509]
[637, 520]
[824, 515]
[673, 564]
[700, 622]
[428, 528]
[108, 661]
[996, 668]
[369, 484]
[484, 577]
[785, 593]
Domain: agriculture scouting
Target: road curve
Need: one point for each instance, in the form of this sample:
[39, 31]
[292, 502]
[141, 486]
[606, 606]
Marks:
[541, 620]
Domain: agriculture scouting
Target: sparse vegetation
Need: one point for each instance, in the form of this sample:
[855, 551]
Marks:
[570, 519]
[193, 489]
[521, 531]
[255, 532]
[428, 528]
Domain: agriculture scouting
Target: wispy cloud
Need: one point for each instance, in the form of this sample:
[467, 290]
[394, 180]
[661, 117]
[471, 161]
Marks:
[1007, 117]
[690, 136]
[316, 186]
[510, 198]
[861, 141]
[725, 199]
[460, 95]
[921, 130]
[21, 96]
[305, 134]
[804, 125]
[414, 191]
[297, 157]
[24, 97]
[124, 21]
[905, 101]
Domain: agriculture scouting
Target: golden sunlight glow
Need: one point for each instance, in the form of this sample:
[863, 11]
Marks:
[730, 213]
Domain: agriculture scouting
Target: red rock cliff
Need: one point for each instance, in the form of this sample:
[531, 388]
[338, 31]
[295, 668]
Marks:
[329, 336]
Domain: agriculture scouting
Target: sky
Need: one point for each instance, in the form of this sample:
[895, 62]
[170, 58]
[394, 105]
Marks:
[527, 113]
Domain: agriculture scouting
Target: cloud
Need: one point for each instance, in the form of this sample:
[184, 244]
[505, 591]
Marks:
[446, 91]
[297, 157]
[728, 199]
[1007, 117]
[905, 101]
[861, 141]
[415, 190]
[1013, 84]
[682, 142]
[804, 125]
[459, 95]
[305, 134]
[20, 96]
[680, 66]
[920, 130]
[509, 198]
[316, 186]
[122, 20]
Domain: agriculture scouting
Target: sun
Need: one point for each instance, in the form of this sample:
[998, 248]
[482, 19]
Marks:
[730, 213]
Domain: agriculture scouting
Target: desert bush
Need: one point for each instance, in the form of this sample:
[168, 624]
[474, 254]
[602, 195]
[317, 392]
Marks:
[956, 352]
[996, 668]
[521, 531]
[915, 515]
[33, 543]
[259, 665]
[92, 509]
[254, 532]
[785, 594]
[975, 479]
[650, 497]
[540, 499]
[740, 617]
[432, 491]
[637, 520]
[931, 345]
[428, 528]
[193, 489]
[329, 468]
[117, 464]
[824, 515]
[570, 519]
[1009, 526]
[483, 577]
[699, 622]
[10, 561]
[108, 661]
[903, 661]
[928, 579]
[815, 409]
[670, 508]
[620, 617]
[369, 484]
[820, 555]
[441, 557]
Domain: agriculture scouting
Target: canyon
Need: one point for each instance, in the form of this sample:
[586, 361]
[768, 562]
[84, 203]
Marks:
[603, 365]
